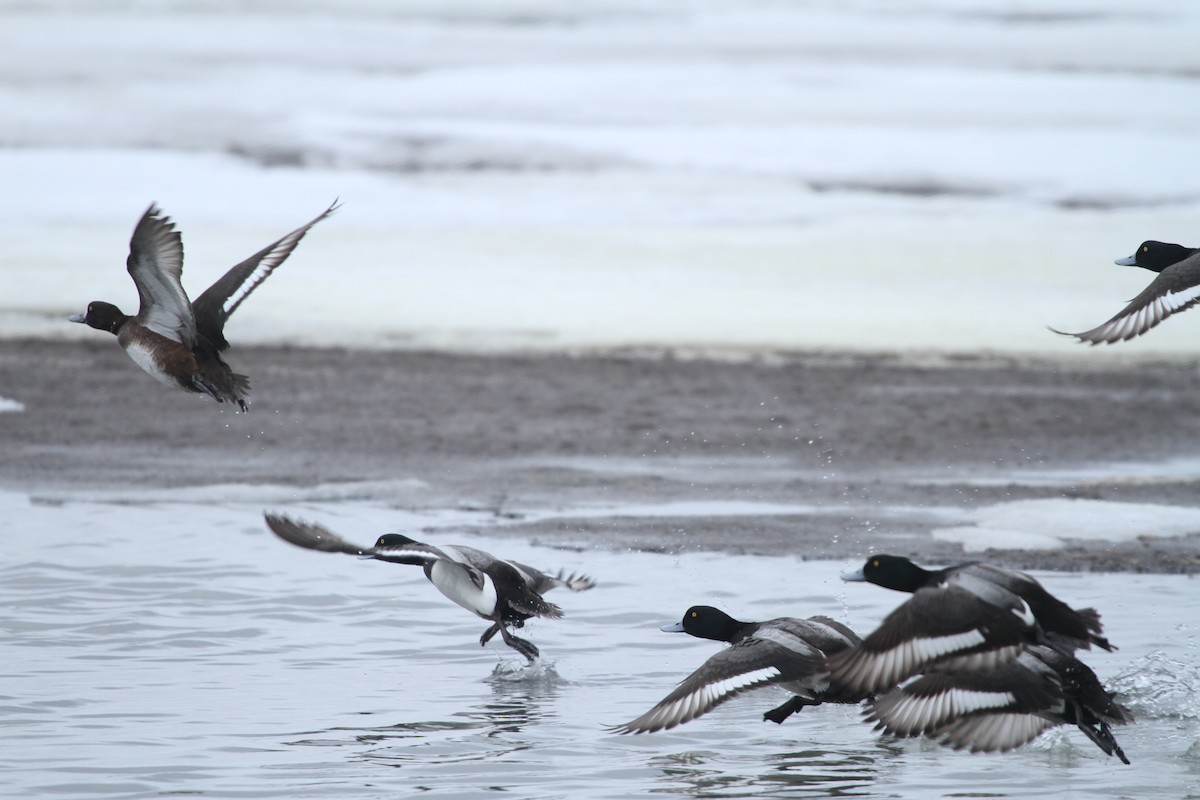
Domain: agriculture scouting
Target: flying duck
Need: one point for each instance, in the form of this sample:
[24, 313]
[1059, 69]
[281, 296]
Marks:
[785, 652]
[1176, 288]
[1005, 707]
[968, 617]
[504, 592]
[175, 340]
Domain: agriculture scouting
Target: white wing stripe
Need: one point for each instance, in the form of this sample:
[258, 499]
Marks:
[931, 648]
[700, 700]
[1176, 300]
[1143, 319]
[907, 714]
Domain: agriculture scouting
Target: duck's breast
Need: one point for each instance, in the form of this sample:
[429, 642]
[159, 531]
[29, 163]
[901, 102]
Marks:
[168, 361]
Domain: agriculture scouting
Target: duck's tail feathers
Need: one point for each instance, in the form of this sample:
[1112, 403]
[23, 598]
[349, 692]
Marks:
[233, 390]
[575, 581]
[241, 388]
[1091, 618]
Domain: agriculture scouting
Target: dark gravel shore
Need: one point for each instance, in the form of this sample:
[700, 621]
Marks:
[875, 450]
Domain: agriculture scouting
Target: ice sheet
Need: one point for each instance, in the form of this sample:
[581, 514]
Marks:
[1050, 523]
[950, 176]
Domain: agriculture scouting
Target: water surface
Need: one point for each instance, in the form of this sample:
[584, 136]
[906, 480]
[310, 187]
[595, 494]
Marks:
[177, 647]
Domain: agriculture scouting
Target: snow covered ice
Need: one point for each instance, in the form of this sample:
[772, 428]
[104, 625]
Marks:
[738, 174]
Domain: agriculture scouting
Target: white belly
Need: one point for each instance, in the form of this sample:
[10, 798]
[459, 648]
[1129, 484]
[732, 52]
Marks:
[455, 582]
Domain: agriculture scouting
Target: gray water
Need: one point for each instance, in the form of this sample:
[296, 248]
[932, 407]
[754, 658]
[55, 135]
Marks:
[177, 648]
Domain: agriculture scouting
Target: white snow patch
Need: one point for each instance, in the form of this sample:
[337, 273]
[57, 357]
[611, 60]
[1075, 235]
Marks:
[751, 175]
[1049, 524]
[9, 405]
[1131, 473]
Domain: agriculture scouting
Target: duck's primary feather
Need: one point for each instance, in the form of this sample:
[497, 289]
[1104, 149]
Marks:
[219, 301]
[155, 263]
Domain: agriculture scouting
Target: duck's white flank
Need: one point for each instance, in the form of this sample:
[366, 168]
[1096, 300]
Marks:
[1025, 614]
[455, 582]
[144, 357]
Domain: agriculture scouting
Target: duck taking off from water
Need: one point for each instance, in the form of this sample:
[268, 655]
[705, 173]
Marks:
[503, 592]
[967, 617]
[1006, 707]
[785, 652]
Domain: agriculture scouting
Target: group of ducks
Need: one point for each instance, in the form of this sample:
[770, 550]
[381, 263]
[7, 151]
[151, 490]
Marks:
[180, 342]
[979, 658]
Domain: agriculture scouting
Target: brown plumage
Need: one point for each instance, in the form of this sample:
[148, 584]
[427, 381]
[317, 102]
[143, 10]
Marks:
[175, 340]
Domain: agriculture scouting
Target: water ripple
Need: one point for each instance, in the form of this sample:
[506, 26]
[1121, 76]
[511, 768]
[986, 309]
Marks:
[237, 667]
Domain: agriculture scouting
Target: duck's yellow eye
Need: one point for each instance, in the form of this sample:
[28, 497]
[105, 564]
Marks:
[875, 563]
[1145, 249]
[694, 615]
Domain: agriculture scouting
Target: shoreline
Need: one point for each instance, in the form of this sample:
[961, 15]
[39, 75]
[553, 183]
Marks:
[863, 452]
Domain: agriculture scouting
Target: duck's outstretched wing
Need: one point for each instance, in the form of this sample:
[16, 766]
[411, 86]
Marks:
[1175, 289]
[220, 300]
[951, 626]
[311, 536]
[991, 733]
[1005, 708]
[155, 263]
[751, 664]
[1025, 686]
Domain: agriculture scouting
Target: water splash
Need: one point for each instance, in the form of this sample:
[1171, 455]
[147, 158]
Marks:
[1159, 686]
[513, 670]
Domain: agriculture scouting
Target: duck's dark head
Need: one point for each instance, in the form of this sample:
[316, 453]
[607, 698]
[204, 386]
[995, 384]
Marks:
[706, 622]
[393, 540]
[890, 572]
[101, 316]
[1157, 256]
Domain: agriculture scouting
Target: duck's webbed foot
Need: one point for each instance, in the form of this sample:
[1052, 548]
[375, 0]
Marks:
[522, 646]
[1102, 736]
[488, 634]
[780, 713]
